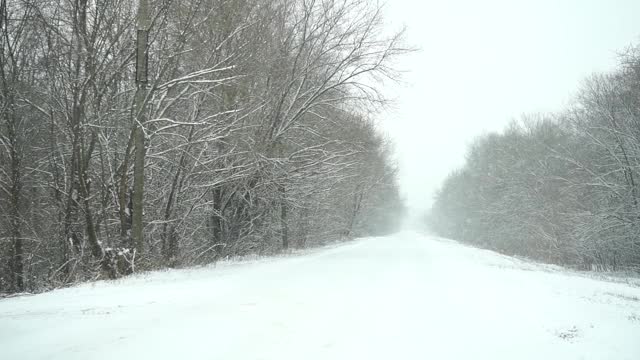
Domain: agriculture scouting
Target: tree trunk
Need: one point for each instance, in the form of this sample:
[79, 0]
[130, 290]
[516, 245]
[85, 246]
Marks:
[9, 77]
[284, 225]
[125, 208]
[17, 256]
[357, 202]
[217, 216]
[85, 191]
[141, 95]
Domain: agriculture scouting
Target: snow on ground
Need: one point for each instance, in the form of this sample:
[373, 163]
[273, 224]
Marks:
[406, 296]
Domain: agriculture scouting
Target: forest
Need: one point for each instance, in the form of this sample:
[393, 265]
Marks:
[141, 135]
[562, 188]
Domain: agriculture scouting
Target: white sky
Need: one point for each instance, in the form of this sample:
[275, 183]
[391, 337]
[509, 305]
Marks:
[485, 62]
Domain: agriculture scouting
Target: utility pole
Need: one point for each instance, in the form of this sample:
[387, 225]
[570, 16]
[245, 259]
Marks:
[142, 62]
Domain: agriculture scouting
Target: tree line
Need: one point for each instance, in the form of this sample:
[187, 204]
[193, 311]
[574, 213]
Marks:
[562, 188]
[210, 128]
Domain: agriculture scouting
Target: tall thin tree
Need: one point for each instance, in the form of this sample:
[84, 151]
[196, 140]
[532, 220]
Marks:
[141, 95]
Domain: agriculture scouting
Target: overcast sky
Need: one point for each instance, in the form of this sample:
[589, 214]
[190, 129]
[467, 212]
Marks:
[483, 63]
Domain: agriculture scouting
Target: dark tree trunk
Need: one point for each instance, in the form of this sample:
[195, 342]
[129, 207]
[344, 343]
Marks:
[284, 226]
[139, 140]
[216, 218]
[17, 256]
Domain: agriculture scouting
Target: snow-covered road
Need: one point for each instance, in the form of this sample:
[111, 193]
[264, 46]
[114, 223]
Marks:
[406, 296]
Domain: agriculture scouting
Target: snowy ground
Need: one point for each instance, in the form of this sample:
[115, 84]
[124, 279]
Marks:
[406, 296]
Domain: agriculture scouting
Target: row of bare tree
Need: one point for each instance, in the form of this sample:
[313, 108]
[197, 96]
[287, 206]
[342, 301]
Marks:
[252, 126]
[562, 188]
